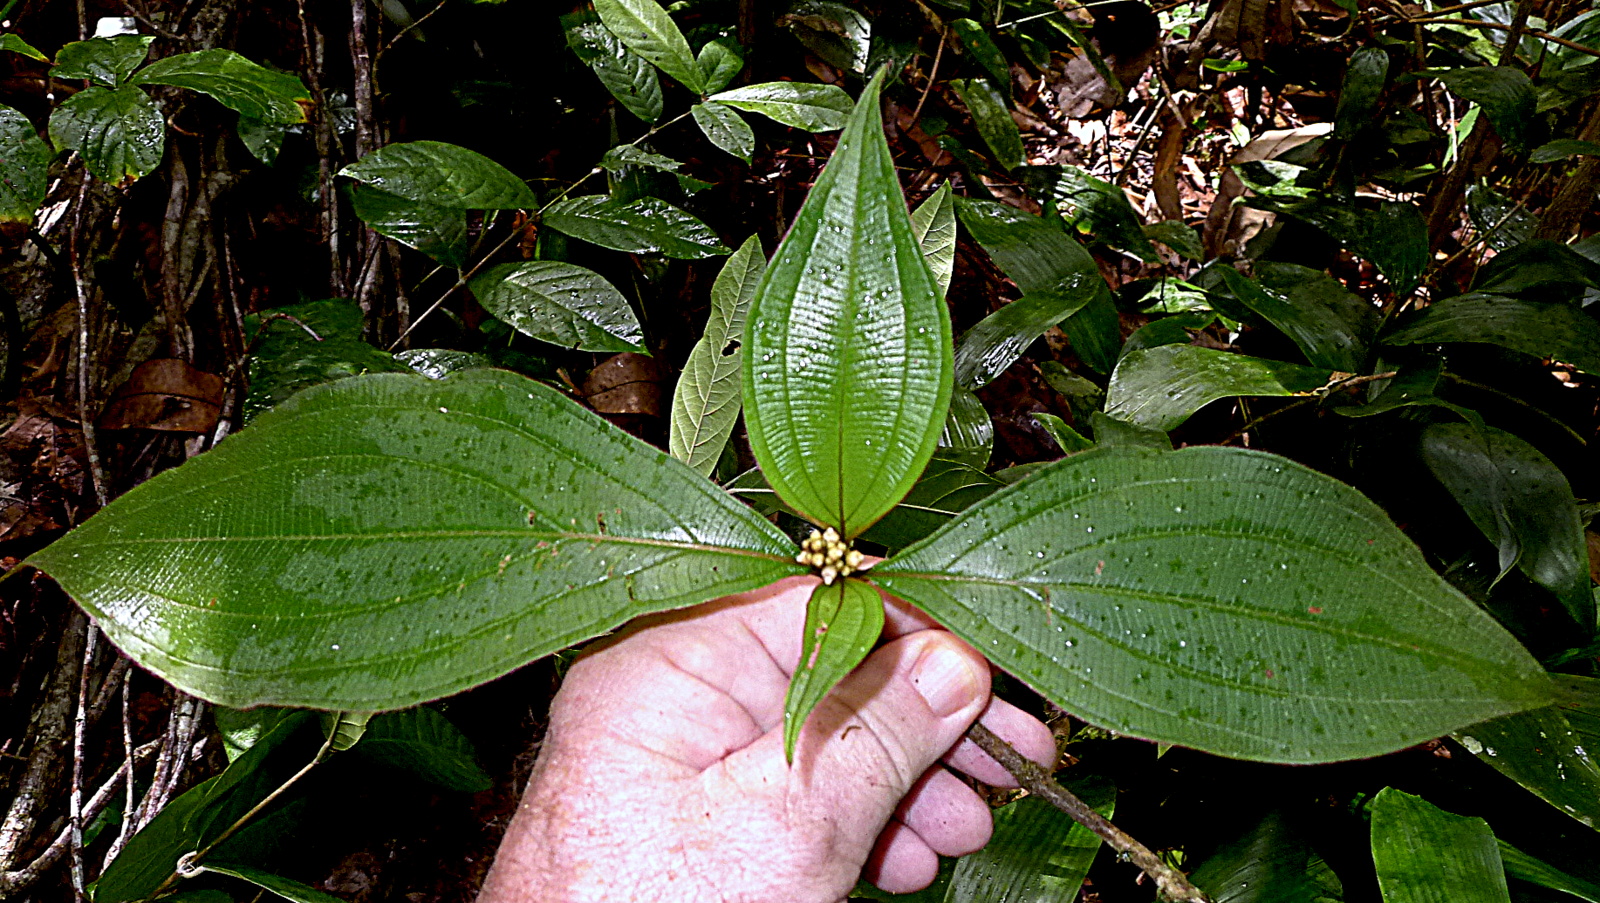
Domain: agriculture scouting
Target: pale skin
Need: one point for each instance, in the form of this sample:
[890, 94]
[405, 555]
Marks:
[662, 777]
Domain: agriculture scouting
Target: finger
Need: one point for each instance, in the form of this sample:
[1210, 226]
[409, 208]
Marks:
[1027, 734]
[947, 814]
[901, 862]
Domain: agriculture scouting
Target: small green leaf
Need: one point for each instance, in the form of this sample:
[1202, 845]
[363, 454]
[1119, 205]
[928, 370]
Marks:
[987, 349]
[984, 52]
[560, 303]
[1110, 432]
[843, 622]
[424, 743]
[1523, 867]
[381, 541]
[262, 139]
[286, 888]
[1332, 327]
[1217, 598]
[1506, 95]
[815, 108]
[1541, 329]
[242, 729]
[648, 31]
[849, 342]
[1271, 862]
[1539, 750]
[968, 433]
[644, 226]
[446, 175]
[837, 34]
[233, 81]
[1104, 210]
[439, 232]
[105, 61]
[1070, 440]
[1501, 222]
[120, 133]
[1562, 149]
[344, 729]
[720, 60]
[629, 78]
[1162, 386]
[1519, 501]
[625, 155]
[706, 402]
[725, 128]
[15, 44]
[1177, 329]
[991, 113]
[1177, 236]
[1364, 80]
[1423, 854]
[287, 358]
[1037, 852]
[25, 179]
[933, 224]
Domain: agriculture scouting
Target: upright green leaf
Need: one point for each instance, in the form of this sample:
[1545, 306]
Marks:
[1162, 386]
[648, 31]
[120, 133]
[424, 743]
[233, 81]
[1519, 501]
[344, 729]
[1103, 209]
[849, 342]
[1037, 854]
[725, 128]
[1270, 862]
[1426, 855]
[987, 349]
[933, 224]
[446, 175]
[262, 139]
[843, 622]
[1070, 440]
[984, 52]
[968, 433]
[644, 226]
[1506, 95]
[390, 539]
[439, 232]
[1217, 598]
[720, 61]
[815, 108]
[631, 80]
[105, 61]
[1501, 222]
[991, 113]
[1542, 329]
[1332, 327]
[1364, 79]
[705, 404]
[24, 180]
[560, 303]
[1540, 751]
[10, 41]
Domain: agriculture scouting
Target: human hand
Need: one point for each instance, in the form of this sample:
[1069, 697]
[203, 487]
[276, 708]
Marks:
[662, 776]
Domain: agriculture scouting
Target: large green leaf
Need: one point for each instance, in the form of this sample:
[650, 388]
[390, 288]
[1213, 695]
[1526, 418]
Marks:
[648, 31]
[843, 621]
[235, 82]
[631, 80]
[1506, 95]
[1426, 855]
[991, 113]
[1332, 327]
[849, 342]
[1038, 854]
[439, 232]
[26, 157]
[644, 226]
[423, 742]
[987, 349]
[934, 225]
[306, 345]
[815, 108]
[1103, 209]
[1162, 386]
[119, 133]
[1218, 598]
[1542, 329]
[560, 303]
[1272, 861]
[725, 128]
[447, 175]
[1540, 751]
[386, 540]
[705, 404]
[104, 61]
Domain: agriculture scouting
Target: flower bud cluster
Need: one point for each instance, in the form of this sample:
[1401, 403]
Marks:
[831, 556]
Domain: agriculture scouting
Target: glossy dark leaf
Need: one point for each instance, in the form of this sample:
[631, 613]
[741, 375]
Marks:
[1563, 149]
[1037, 854]
[1506, 95]
[987, 349]
[437, 363]
[446, 175]
[424, 743]
[1364, 80]
[1103, 209]
[948, 486]
[976, 42]
[1523, 867]
[561, 304]
[1500, 221]
[233, 81]
[849, 343]
[1557, 330]
[1162, 386]
[105, 61]
[1271, 862]
[1177, 329]
[1218, 598]
[720, 61]
[934, 225]
[1177, 236]
[264, 140]
[289, 358]
[968, 433]
[27, 164]
[843, 622]
[382, 541]
[623, 156]
[706, 402]
[120, 133]
[1540, 751]
[1424, 855]
[725, 128]
[833, 31]
[648, 31]
[439, 232]
[1070, 440]
[1111, 432]
[644, 226]
[629, 78]
[1541, 269]
[1331, 326]
[815, 108]
[991, 113]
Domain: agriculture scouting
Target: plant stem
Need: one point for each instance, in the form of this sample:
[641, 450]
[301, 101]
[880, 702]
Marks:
[1171, 883]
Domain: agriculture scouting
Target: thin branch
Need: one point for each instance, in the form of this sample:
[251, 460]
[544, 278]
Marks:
[933, 76]
[97, 477]
[1530, 32]
[80, 727]
[441, 4]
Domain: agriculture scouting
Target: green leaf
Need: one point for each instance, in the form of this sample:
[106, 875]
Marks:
[382, 541]
[1523, 867]
[120, 133]
[984, 52]
[1557, 330]
[1392, 235]
[1177, 329]
[1562, 149]
[1506, 95]
[644, 226]
[725, 128]
[933, 224]
[1103, 209]
[233, 81]
[1539, 750]
[16, 44]
[623, 156]
[849, 342]
[344, 729]
[105, 61]
[648, 31]
[706, 402]
[1109, 432]
[25, 179]
[1217, 598]
[1070, 440]
[560, 303]
[1331, 326]
[1162, 386]
[1547, 270]
[948, 486]
[991, 113]
[815, 108]
[987, 349]
[1177, 236]
[1037, 852]
[631, 80]
[968, 433]
[1270, 862]
[1364, 79]
[423, 742]
[1519, 501]
[843, 622]
[1041, 258]
[439, 232]
[1423, 854]
[286, 888]
[1501, 222]
[837, 34]
[720, 60]
[262, 139]
[242, 729]
[446, 175]
[287, 358]
[437, 363]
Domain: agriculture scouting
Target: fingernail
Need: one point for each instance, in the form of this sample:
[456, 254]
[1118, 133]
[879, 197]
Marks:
[945, 679]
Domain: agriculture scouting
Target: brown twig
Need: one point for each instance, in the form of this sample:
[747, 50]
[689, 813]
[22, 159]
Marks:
[97, 477]
[1171, 883]
[441, 5]
[933, 76]
[48, 728]
[80, 727]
